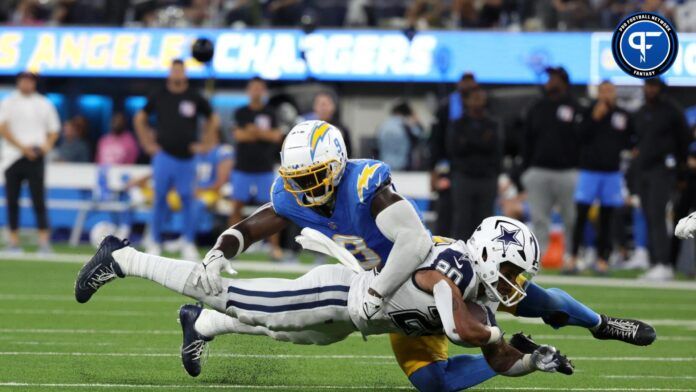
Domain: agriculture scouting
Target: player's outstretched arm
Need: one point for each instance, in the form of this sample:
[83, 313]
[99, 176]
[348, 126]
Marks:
[233, 241]
[399, 222]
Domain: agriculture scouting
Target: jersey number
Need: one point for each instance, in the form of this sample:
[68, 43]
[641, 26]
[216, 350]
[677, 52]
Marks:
[367, 257]
[415, 323]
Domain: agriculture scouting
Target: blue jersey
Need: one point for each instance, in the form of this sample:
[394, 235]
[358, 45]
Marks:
[207, 163]
[352, 224]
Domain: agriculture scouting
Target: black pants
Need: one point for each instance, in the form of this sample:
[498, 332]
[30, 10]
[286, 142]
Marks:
[655, 189]
[603, 234]
[473, 199]
[33, 172]
[443, 208]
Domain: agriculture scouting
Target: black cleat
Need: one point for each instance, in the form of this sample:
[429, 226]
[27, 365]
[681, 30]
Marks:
[626, 330]
[194, 344]
[526, 345]
[99, 270]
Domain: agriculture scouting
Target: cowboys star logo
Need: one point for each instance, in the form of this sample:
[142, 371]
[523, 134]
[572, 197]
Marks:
[508, 237]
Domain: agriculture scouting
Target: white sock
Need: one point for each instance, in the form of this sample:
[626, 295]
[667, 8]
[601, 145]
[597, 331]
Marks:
[170, 273]
[211, 323]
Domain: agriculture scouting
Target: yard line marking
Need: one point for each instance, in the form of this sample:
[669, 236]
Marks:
[303, 356]
[107, 298]
[257, 266]
[305, 387]
[641, 376]
[108, 313]
[91, 331]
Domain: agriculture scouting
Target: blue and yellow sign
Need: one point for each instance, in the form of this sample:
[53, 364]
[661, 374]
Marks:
[331, 55]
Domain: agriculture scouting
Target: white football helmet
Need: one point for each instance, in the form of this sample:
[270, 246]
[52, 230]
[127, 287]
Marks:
[498, 240]
[312, 162]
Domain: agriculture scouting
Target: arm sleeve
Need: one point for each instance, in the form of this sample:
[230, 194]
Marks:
[443, 302]
[400, 223]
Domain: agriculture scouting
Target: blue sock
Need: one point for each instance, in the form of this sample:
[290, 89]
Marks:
[456, 373]
[556, 307]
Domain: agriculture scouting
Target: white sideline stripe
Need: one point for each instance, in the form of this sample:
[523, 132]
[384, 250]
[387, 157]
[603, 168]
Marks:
[307, 387]
[256, 266]
[302, 356]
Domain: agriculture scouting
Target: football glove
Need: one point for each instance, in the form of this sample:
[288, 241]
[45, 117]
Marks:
[686, 228]
[207, 274]
[372, 304]
[544, 359]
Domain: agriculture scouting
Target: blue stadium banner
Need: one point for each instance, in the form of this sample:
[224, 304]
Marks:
[332, 55]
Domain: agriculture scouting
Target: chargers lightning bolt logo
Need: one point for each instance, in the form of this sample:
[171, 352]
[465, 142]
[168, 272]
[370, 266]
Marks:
[318, 133]
[364, 178]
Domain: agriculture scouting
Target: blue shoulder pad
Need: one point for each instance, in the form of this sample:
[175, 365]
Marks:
[370, 178]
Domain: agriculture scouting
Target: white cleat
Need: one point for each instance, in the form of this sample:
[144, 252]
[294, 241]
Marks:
[658, 273]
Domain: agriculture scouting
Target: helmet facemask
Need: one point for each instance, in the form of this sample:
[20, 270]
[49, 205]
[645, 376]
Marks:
[312, 185]
[512, 286]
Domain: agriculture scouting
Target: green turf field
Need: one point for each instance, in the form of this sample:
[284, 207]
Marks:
[127, 338]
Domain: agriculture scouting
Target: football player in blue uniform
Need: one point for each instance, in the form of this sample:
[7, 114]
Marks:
[354, 203]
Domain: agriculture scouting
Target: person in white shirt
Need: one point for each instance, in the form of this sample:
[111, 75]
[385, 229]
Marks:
[29, 127]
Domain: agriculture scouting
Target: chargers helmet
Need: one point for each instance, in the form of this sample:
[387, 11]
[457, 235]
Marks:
[500, 240]
[312, 162]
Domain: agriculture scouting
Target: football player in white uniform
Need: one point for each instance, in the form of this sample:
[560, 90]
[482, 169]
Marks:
[324, 305]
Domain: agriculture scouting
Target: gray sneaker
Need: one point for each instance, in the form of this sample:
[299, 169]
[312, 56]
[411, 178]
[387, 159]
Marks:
[45, 249]
[13, 249]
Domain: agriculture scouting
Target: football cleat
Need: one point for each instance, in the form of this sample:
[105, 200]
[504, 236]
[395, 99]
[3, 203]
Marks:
[526, 345]
[99, 270]
[626, 330]
[194, 344]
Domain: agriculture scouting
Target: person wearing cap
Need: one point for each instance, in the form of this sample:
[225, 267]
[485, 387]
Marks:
[661, 150]
[550, 157]
[29, 124]
[606, 130]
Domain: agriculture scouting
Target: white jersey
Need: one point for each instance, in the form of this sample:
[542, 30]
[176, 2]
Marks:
[410, 310]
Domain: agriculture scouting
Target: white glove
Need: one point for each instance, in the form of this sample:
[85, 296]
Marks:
[544, 359]
[372, 305]
[686, 228]
[208, 272]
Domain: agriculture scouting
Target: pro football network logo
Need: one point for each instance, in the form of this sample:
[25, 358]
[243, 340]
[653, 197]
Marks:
[645, 45]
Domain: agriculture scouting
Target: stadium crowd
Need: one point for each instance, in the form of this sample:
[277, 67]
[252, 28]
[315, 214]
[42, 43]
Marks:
[514, 15]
